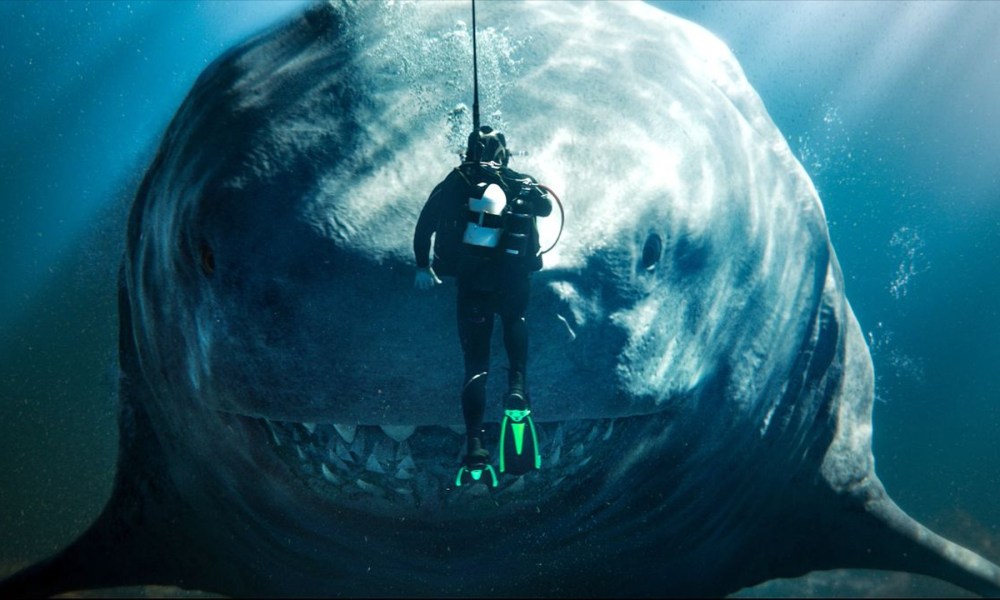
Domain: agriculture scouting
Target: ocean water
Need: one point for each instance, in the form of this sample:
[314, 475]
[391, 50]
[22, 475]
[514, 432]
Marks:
[891, 107]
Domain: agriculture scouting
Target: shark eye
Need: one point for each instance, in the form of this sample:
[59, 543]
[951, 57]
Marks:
[207, 259]
[651, 252]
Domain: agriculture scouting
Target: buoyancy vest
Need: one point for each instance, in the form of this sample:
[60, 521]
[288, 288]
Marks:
[498, 223]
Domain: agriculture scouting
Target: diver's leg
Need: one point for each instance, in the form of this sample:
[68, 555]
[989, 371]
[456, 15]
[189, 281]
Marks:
[519, 449]
[515, 335]
[475, 326]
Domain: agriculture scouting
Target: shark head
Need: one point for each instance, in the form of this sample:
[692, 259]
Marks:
[291, 407]
[270, 263]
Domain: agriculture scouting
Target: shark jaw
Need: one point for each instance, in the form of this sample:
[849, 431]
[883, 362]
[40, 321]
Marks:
[405, 471]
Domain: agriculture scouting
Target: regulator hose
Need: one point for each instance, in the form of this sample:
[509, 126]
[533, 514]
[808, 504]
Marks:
[562, 216]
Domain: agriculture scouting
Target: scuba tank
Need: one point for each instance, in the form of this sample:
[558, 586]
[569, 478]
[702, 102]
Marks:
[486, 221]
[498, 224]
[518, 226]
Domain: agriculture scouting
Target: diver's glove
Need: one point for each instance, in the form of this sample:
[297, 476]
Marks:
[426, 279]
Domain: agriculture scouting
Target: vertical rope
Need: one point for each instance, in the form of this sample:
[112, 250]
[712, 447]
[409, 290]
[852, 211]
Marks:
[475, 74]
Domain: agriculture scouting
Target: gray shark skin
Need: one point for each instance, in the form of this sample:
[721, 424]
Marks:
[290, 422]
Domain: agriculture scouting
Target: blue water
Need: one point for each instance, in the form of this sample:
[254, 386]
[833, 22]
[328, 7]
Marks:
[891, 107]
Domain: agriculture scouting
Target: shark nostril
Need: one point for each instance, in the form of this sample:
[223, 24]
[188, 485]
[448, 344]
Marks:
[651, 252]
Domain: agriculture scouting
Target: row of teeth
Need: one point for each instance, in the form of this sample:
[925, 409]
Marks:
[389, 468]
[348, 433]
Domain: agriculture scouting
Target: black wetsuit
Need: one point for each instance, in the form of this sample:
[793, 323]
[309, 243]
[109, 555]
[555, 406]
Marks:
[488, 283]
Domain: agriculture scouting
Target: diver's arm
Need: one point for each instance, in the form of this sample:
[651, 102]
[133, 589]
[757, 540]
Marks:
[426, 224]
[541, 204]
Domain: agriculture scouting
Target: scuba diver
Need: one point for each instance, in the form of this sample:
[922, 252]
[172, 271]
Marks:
[483, 215]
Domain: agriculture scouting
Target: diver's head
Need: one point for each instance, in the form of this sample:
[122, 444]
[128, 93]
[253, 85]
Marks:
[487, 145]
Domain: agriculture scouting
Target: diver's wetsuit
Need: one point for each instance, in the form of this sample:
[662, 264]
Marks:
[476, 308]
[488, 285]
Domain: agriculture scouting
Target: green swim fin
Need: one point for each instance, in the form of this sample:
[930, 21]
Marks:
[519, 452]
[469, 474]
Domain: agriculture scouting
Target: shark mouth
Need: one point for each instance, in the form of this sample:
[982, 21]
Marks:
[404, 470]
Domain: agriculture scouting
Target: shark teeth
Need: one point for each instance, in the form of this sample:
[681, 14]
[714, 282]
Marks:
[380, 456]
[329, 475]
[399, 433]
[357, 448]
[374, 465]
[406, 469]
[337, 461]
[346, 431]
[274, 434]
[554, 457]
[385, 469]
[343, 453]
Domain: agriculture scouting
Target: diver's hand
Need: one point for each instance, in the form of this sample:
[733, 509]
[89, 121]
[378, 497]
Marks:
[426, 279]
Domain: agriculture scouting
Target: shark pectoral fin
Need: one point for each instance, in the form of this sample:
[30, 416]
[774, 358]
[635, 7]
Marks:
[903, 544]
[880, 535]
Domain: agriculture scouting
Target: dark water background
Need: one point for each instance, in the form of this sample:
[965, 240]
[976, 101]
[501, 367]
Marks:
[892, 107]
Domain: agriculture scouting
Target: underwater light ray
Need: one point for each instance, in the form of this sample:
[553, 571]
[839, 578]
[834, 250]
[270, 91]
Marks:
[59, 139]
[89, 111]
[55, 57]
[896, 57]
[976, 82]
[237, 19]
[772, 39]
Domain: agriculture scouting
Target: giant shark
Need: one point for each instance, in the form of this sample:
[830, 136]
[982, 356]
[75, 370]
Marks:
[290, 420]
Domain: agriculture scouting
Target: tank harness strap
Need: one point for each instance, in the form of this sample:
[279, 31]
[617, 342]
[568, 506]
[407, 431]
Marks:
[462, 175]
